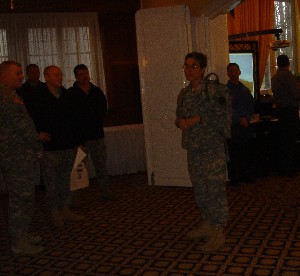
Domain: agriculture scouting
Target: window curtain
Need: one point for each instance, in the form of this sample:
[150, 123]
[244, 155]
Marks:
[251, 16]
[297, 37]
[61, 39]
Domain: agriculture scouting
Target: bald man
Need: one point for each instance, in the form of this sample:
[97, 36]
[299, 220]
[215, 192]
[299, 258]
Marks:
[54, 122]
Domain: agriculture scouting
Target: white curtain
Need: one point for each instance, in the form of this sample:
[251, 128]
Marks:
[61, 39]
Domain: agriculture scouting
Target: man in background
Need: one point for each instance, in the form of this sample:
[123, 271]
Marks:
[29, 92]
[32, 83]
[287, 100]
[241, 164]
[19, 149]
[90, 105]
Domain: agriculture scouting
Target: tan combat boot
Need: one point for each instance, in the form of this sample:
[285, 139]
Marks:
[67, 214]
[57, 219]
[201, 233]
[215, 242]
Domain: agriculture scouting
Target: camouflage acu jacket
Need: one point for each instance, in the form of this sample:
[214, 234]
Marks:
[18, 136]
[212, 101]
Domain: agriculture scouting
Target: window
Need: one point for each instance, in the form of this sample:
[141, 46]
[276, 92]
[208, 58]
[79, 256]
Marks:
[61, 39]
[43, 48]
[283, 19]
[245, 62]
[245, 54]
[76, 42]
[3, 45]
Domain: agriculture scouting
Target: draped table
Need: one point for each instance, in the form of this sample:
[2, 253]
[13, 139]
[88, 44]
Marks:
[125, 147]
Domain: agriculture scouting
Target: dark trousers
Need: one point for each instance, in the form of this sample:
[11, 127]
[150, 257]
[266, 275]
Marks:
[285, 140]
[241, 154]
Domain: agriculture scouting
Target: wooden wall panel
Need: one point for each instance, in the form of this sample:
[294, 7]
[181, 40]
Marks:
[125, 105]
[101, 6]
[121, 69]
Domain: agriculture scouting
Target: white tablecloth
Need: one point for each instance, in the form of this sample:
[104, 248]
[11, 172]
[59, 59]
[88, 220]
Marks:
[125, 150]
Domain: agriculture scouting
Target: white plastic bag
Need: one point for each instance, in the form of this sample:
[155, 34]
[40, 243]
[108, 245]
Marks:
[79, 175]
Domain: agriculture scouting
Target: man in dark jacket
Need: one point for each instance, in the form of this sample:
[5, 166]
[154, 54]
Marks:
[287, 100]
[90, 105]
[241, 165]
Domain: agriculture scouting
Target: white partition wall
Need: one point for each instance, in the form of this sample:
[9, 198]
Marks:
[164, 36]
[211, 38]
[163, 39]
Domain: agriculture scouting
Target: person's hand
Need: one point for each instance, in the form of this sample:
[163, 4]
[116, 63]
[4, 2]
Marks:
[186, 123]
[244, 122]
[17, 100]
[191, 121]
[182, 124]
[40, 155]
[45, 137]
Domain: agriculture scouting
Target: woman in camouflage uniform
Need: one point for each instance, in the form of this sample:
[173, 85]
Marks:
[202, 122]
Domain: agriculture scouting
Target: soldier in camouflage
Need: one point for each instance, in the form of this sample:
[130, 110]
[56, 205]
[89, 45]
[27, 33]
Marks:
[19, 149]
[203, 120]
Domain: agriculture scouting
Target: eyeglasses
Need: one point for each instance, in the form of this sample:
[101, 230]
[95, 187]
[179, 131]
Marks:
[190, 66]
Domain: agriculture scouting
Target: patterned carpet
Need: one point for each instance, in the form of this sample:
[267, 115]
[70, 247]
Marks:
[143, 233]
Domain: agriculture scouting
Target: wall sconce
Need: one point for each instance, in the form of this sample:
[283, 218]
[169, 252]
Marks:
[11, 4]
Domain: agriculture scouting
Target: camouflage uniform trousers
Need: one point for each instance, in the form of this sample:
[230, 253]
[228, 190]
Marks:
[207, 169]
[56, 171]
[19, 175]
[97, 150]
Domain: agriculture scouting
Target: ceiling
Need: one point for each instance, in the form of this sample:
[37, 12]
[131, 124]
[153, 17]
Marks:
[210, 8]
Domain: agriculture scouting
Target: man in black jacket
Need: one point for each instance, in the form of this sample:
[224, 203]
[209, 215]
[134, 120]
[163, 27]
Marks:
[241, 165]
[90, 105]
[287, 100]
